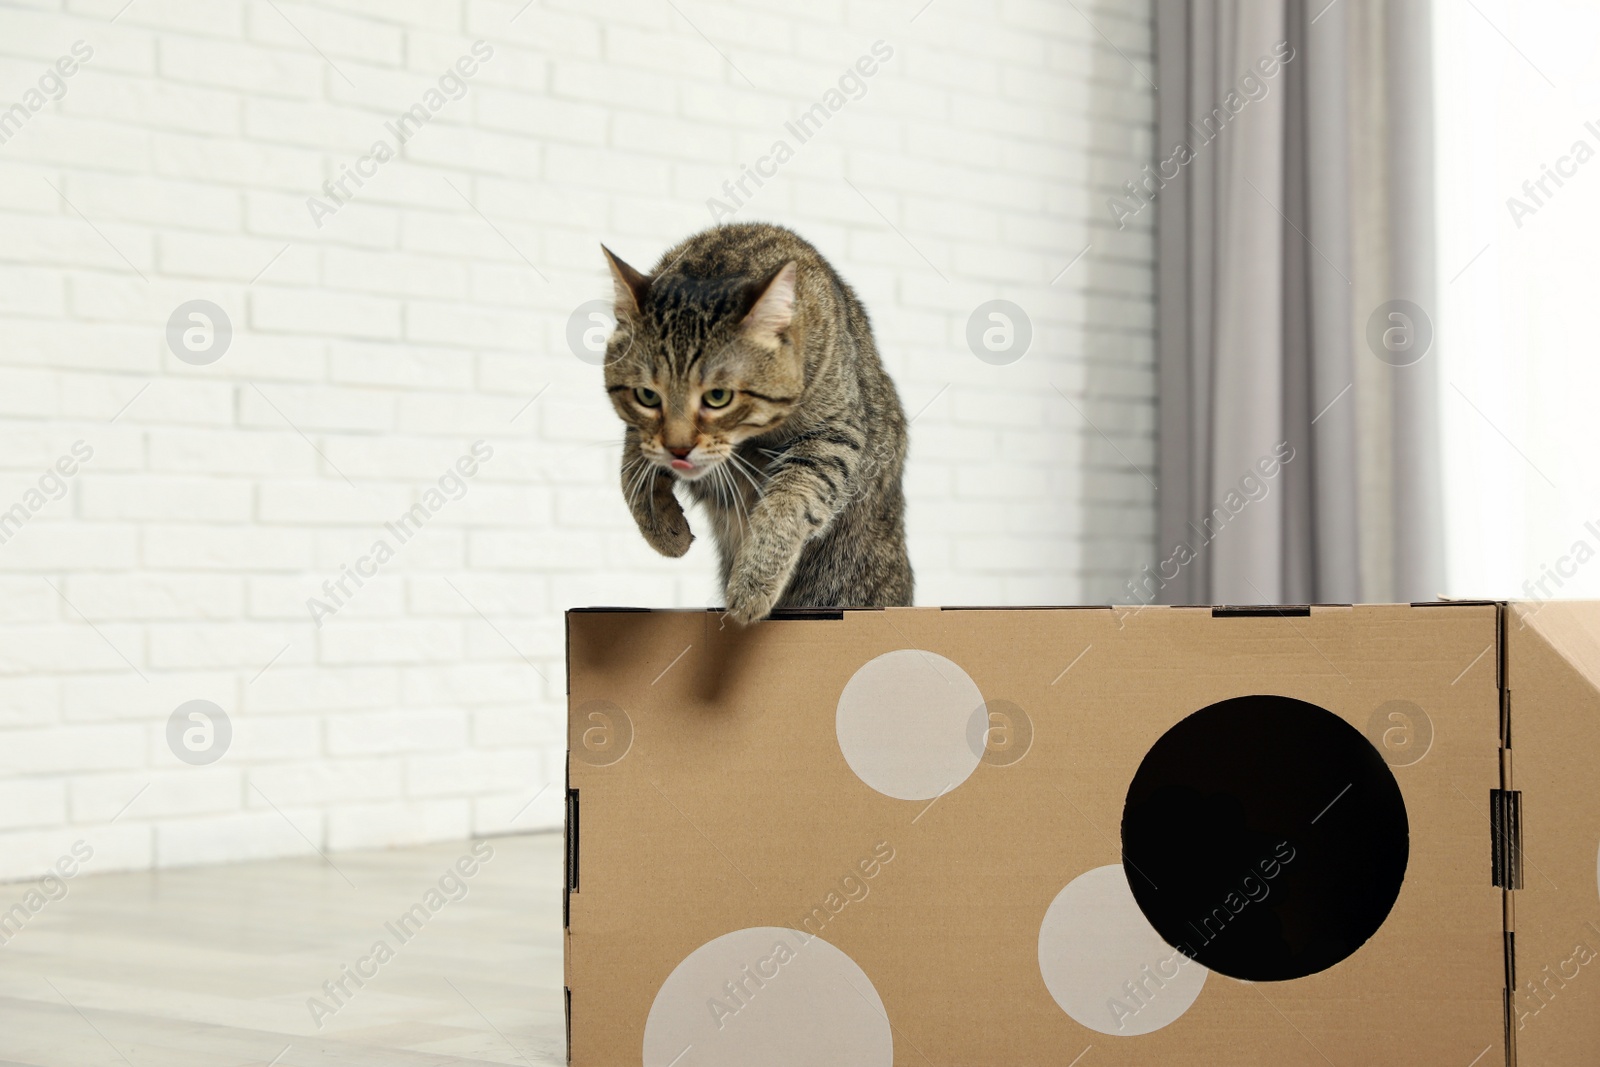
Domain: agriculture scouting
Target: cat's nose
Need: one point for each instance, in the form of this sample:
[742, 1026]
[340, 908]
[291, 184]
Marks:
[680, 453]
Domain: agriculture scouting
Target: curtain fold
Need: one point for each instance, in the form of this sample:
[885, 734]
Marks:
[1419, 462]
[1297, 464]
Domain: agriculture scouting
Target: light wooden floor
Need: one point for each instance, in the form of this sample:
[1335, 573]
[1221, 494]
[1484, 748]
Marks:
[214, 966]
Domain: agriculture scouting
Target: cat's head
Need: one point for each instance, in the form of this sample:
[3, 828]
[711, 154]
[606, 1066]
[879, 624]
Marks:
[698, 365]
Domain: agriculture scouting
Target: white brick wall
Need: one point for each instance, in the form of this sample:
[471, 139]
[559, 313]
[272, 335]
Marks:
[368, 354]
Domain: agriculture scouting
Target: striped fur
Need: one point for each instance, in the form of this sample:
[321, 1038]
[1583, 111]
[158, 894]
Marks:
[799, 470]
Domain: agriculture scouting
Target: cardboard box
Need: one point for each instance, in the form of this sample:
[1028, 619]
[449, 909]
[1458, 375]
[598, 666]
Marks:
[1109, 836]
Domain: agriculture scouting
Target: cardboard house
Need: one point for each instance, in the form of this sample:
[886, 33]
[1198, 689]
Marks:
[1112, 837]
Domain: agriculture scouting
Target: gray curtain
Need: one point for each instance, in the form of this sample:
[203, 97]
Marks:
[1299, 457]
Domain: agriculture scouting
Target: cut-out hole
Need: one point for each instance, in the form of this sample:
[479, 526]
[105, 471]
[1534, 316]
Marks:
[1265, 837]
[1261, 611]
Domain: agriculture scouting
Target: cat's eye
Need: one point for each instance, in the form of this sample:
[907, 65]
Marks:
[717, 398]
[648, 397]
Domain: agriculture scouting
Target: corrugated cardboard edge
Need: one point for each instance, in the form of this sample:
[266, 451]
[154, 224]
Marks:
[1505, 831]
[570, 799]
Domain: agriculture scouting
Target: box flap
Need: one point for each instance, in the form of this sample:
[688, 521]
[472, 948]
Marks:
[1553, 677]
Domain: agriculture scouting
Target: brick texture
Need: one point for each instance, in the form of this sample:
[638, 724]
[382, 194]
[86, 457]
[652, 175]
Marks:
[164, 521]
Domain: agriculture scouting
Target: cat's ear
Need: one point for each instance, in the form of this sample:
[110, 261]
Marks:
[631, 285]
[773, 310]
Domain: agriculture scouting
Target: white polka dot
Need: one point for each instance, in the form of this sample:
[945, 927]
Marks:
[767, 995]
[903, 724]
[1104, 963]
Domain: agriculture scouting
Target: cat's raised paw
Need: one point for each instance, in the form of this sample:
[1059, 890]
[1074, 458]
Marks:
[671, 537]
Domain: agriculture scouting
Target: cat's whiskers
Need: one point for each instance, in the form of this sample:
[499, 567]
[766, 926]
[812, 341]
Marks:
[734, 498]
[642, 482]
[719, 496]
[637, 481]
[750, 473]
[738, 497]
[744, 504]
[629, 470]
[748, 504]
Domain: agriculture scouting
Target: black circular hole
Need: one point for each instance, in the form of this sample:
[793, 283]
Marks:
[1265, 837]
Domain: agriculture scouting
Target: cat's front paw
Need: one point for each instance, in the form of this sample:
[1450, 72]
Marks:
[748, 601]
[670, 535]
[660, 517]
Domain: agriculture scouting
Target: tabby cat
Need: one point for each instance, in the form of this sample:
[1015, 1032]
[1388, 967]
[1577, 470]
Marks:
[745, 371]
